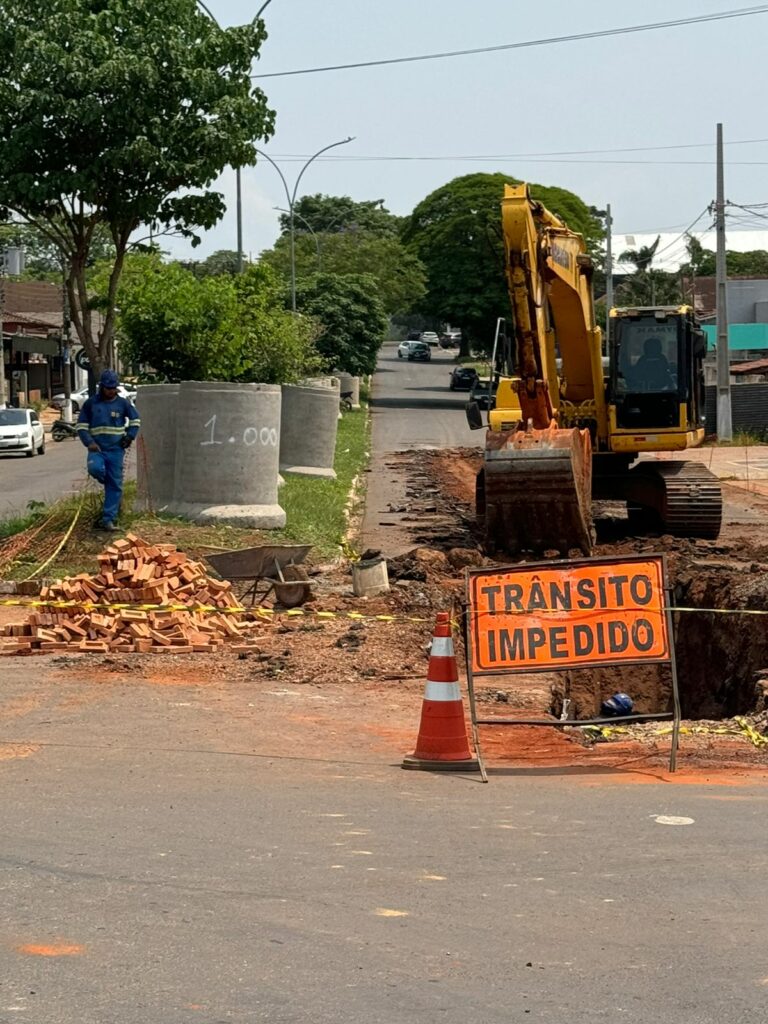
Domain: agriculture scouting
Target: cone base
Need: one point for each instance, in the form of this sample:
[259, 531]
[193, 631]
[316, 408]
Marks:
[425, 764]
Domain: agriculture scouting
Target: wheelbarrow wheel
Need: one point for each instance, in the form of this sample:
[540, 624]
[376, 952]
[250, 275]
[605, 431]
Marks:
[292, 594]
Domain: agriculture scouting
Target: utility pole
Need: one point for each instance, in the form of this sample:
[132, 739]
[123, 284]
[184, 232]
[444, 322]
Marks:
[239, 185]
[66, 350]
[608, 276]
[2, 343]
[11, 262]
[724, 422]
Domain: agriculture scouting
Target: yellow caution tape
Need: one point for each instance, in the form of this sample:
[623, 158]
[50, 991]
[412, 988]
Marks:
[744, 729]
[266, 613]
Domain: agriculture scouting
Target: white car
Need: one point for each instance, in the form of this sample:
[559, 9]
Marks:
[430, 337]
[404, 349]
[21, 431]
[78, 398]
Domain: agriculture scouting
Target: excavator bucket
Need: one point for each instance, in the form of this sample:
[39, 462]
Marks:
[537, 490]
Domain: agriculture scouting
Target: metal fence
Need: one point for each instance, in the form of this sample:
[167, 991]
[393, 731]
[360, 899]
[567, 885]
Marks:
[749, 404]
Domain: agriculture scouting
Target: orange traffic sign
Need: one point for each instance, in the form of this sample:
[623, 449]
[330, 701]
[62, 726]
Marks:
[547, 616]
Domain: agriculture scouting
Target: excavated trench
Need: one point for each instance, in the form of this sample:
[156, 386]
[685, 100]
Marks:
[721, 649]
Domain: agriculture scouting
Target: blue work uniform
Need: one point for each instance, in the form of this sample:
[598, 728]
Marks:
[107, 424]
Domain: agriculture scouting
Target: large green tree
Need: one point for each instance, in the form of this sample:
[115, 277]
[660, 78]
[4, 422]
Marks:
[456, 232]
[118, 114]
[352, 319]
[323, 214]
[399, 275]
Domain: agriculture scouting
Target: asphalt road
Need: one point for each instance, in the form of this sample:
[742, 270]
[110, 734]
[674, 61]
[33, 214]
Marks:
[61, 471]
[162, 863]
[43, 478]
[411, 407]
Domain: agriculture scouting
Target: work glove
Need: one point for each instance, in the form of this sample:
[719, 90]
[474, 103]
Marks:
[125, 441]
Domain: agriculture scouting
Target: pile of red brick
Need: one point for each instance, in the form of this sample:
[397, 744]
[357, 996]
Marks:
[188, 610]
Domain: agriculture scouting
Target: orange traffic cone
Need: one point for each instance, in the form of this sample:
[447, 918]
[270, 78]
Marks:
[442, 744]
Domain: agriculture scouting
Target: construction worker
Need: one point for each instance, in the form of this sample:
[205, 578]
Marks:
[107, 426]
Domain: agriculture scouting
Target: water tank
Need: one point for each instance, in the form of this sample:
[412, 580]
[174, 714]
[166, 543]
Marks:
[310, 417]
[156, 445]
[227, 451]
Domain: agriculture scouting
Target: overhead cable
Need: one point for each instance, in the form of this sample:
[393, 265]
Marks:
[741, 12]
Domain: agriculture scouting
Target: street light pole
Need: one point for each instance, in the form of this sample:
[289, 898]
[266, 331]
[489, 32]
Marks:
[238, 176]
[291, 197]
[309, 228]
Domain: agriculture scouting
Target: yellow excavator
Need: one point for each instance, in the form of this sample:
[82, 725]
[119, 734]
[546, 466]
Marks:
[566, 422]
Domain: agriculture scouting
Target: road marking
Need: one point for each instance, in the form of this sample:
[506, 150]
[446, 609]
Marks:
[671, 819]
[384, 912]
[433, 878]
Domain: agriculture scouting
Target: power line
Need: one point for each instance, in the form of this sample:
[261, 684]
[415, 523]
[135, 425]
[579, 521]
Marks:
[520, 159]
[517, 156]
[741, 12]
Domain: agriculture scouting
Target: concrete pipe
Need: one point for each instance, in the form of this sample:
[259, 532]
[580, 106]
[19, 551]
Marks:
[349, 385]
[227, 451]
[308, 430]
[156, 446]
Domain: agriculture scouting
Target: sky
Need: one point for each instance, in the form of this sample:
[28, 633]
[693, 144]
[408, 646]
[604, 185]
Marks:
[663, 88]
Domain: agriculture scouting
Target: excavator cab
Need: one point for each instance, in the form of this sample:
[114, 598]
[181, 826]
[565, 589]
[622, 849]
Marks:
[656, 380]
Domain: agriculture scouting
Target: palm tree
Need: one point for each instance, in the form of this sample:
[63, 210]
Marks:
[647, 285]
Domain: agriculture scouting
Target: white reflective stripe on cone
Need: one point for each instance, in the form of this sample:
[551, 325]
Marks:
[441, 691]
[442, 646]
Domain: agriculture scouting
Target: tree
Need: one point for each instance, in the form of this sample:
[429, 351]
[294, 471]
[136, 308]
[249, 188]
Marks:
[117, 114]
[184, 328]
[212, 328]
[399, 274]
[351, 316]
[223, 261]
[456, 232]
[648, 287]
[324, 214]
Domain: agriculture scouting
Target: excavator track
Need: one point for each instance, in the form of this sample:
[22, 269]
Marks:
[684, 498]
[534, 491]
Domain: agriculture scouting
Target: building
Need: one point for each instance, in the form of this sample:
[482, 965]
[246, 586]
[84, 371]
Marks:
[32, 317]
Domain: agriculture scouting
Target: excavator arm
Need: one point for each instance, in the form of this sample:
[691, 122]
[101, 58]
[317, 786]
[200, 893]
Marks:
[536, 479]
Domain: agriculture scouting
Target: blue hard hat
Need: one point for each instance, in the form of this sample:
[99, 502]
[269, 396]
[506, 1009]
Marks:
[618, 705]
[108, 379]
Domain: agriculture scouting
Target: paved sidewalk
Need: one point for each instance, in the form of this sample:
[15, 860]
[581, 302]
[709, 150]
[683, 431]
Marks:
[745, 466]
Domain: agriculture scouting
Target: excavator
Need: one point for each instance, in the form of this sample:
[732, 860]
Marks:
[570, 425]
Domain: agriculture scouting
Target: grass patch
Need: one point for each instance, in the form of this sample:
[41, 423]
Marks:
[316, 513]
[18, 524]
[742, 439]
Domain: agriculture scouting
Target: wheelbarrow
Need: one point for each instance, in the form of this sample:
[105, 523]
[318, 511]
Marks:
[271, 568]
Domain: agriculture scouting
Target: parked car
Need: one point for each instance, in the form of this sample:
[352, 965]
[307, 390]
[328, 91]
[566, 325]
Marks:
[419, 350]
[78, 397]
[414, 336]
[481, 393]
[404, 349]
[430, 337]
[21, 431]
[463, 378]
